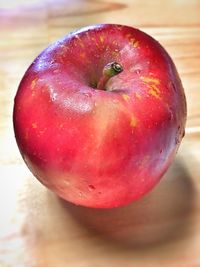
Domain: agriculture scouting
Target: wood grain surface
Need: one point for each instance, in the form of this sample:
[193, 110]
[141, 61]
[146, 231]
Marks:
[39, 230]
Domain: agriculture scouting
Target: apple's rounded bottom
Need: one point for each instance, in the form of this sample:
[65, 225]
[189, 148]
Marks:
[101, 197]
[110, 195]
[103, 203]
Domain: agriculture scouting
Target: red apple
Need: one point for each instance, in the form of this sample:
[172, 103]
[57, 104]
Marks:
[97, 140]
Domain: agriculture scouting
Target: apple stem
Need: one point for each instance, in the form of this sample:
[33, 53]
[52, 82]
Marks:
[110, 70]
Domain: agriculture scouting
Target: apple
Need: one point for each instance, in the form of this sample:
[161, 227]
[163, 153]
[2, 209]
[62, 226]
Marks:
[99, 115]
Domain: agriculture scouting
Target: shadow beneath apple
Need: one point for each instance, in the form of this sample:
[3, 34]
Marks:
[158, 218]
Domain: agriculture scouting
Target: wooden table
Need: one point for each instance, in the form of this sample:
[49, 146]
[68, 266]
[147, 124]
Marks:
[39, 230]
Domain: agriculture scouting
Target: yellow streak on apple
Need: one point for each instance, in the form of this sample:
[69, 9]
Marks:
[148, 79]
[33, 83]
[154, 93]
[105, 115]
[152, 83]
[102, 39]
[133, 122]
[126, 97]
[137, 95]
[80, 41]
[136, 44]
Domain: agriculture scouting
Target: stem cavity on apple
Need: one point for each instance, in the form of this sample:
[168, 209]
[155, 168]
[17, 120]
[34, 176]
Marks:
[110, 70]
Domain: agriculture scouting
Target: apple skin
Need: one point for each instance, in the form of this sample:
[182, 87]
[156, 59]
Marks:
[100, 148]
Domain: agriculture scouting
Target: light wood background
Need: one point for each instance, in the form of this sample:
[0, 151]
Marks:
[39, 230]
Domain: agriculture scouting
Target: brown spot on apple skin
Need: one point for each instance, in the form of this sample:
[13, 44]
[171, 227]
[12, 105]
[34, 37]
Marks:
[91, 187]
